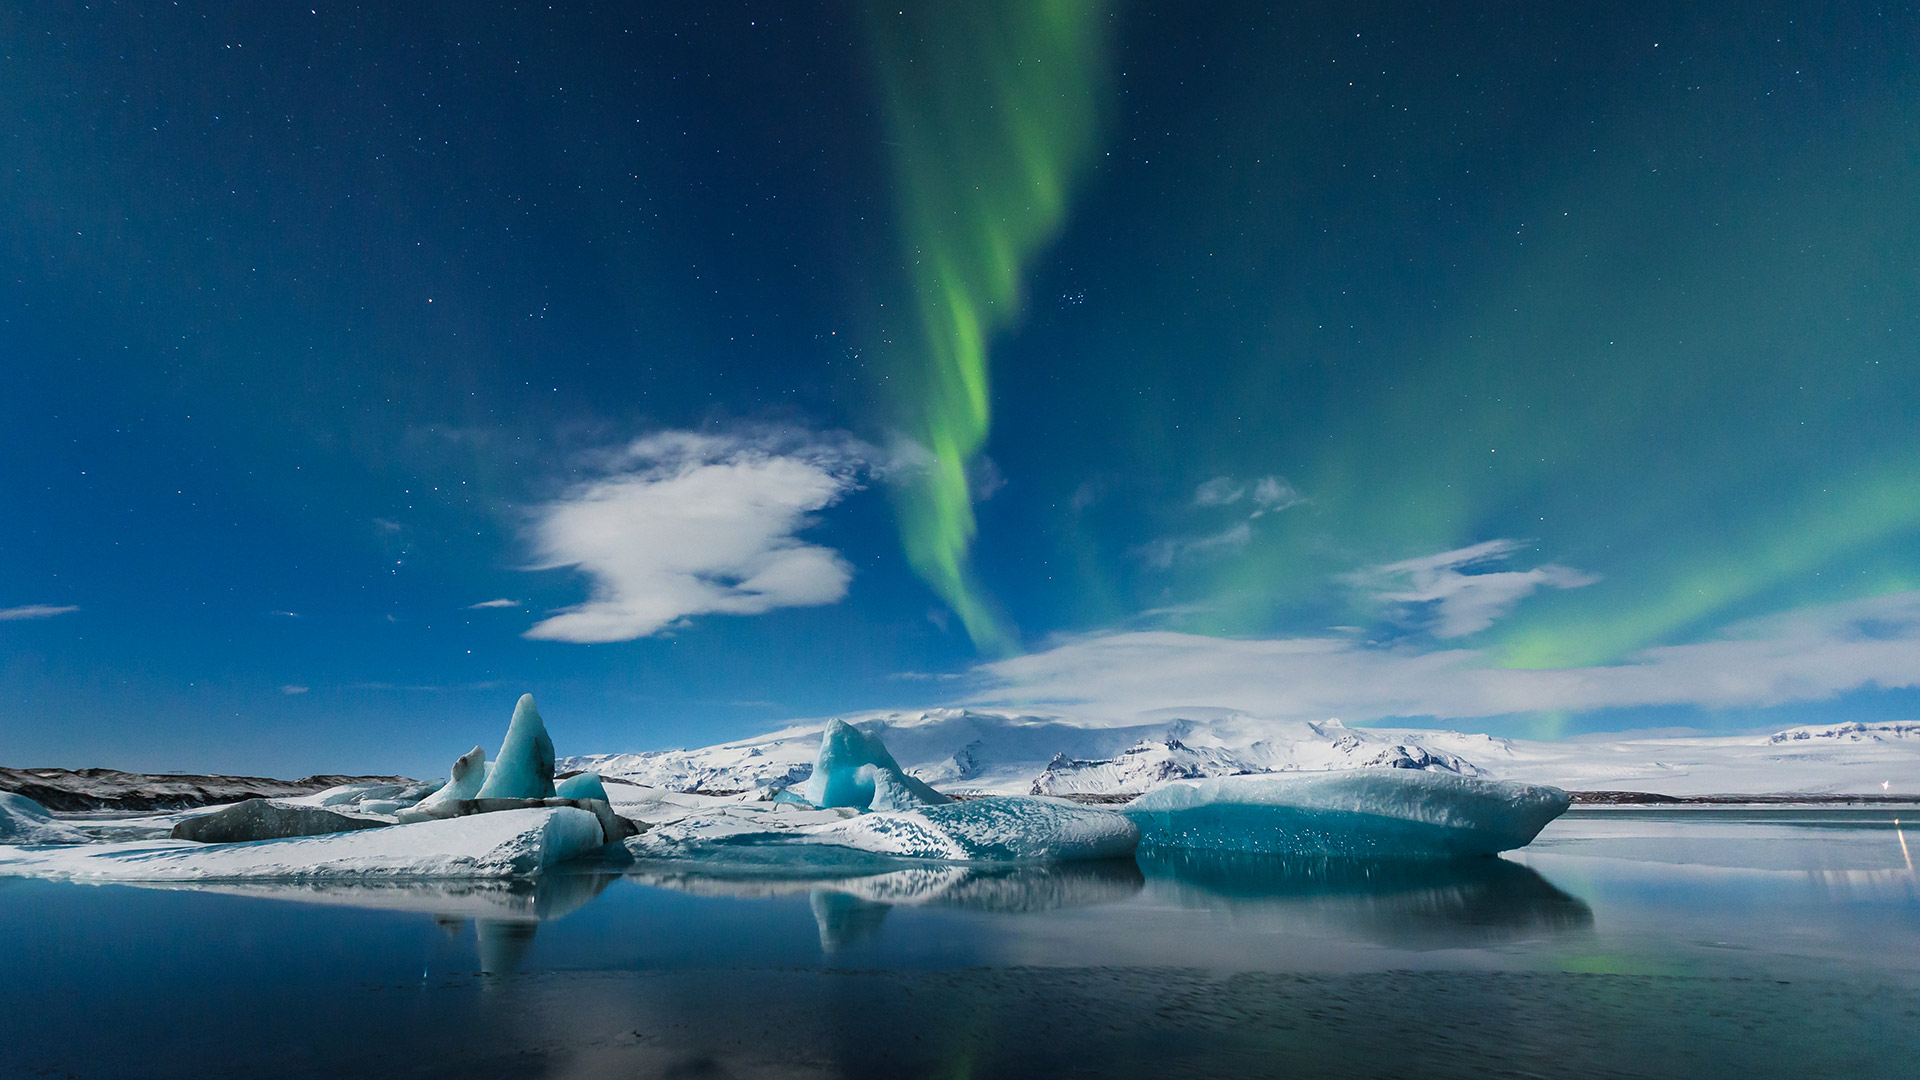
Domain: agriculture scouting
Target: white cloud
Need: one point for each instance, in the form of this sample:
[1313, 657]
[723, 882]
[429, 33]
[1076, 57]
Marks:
[1463, 603]
[1808, 655]
[35, 611]
[291, 689]
[688, 524]
[500, 603]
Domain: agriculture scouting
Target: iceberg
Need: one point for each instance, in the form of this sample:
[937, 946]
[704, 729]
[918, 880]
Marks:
[1356, 813]
[506, 844]
[267, 819]
[23, 821]
[854, 769]
[524, 767]
[994, 830]
[469, 772]
[586, 785]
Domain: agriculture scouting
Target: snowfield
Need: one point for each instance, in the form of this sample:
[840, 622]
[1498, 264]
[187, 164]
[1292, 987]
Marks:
[966, 751]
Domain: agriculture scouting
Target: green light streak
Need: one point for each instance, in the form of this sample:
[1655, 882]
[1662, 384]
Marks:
[991, 111]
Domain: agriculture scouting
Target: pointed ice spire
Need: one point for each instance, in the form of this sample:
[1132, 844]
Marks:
[854, 767]
[524, 767]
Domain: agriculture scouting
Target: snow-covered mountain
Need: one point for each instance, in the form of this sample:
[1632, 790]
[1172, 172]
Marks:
[973, 751]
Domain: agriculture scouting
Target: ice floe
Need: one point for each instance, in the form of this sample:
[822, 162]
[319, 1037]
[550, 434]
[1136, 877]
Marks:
[511, 843]
[988, 830]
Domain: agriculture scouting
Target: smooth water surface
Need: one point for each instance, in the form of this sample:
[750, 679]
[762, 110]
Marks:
[1622, 943]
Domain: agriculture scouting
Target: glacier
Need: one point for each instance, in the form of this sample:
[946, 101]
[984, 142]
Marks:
[1355, 813]
[854, 769]
[524, 767]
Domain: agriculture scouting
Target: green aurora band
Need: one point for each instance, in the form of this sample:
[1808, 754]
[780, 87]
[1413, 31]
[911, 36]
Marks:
[992, 110]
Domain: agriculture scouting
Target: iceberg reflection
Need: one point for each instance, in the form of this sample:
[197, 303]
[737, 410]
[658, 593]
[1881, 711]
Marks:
[851, 907]
[1419, 904]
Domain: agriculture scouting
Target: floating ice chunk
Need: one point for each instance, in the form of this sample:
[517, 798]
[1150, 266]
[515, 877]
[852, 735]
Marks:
[586, 785]
[1365, 813]
[23, 821]
[265, 819]
[994, 829]
[854, 769]
[524, 767]
[464, 781]
[511, 843]
[987, 830]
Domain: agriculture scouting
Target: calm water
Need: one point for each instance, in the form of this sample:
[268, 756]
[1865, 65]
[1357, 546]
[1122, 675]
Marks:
[1623, 943]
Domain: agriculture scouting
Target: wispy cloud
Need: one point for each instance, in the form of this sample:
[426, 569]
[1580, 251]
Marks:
[1265, 495]
[35, 611]
[1219, 491]
[1272, 494]
[1167, 551]
[1454, 592]
[686, 524]
[1808, 655]
[290, 689]
[500, 603]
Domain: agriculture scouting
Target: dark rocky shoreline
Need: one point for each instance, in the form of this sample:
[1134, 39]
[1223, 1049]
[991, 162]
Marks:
[80, 790]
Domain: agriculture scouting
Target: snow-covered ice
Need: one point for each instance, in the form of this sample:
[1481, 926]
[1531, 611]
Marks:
[524, 767]
[987, 830]
[511, 843]
[854, 769]
[1360, 813]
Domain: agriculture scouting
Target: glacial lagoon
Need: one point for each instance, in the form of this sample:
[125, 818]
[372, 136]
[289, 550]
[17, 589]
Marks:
[1622, 942]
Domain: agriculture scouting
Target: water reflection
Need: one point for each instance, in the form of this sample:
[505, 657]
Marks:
[1417, 904]
[851, 909]
[505, 914]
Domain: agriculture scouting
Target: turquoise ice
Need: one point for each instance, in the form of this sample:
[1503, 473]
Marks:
[854, 769]
[1358, 813]
[524, 767]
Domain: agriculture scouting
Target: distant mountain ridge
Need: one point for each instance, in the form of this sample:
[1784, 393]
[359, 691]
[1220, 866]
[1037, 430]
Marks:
[71, 790]
[975, 751]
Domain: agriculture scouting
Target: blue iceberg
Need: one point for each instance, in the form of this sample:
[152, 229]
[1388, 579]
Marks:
[584, 785]
[524, 767]
[1356, 813]
[854, 769]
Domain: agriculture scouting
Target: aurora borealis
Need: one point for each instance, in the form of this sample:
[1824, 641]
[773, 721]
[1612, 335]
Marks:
[1545, 339]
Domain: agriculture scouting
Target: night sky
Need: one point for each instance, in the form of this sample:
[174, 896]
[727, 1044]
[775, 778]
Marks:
[1525, 368]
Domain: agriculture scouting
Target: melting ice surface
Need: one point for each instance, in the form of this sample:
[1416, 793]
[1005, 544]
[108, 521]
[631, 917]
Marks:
[1369, 813]
[989, 830]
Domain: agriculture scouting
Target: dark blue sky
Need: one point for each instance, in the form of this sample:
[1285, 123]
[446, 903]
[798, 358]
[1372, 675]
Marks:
[773, 360]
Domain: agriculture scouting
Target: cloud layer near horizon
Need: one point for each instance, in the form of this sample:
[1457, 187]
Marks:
[1807, 655]
[687, 524]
